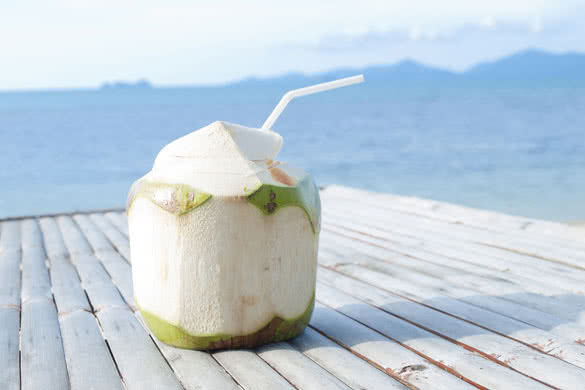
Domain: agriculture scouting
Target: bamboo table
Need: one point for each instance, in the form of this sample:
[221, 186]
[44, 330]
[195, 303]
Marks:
[411, 294]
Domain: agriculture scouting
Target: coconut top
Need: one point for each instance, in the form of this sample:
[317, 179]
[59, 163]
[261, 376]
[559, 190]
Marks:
[224, 141]
[224, 159]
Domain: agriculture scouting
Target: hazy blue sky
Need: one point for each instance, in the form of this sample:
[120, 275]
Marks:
[71, 43]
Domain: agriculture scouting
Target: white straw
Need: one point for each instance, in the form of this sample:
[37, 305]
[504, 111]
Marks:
[290, 95]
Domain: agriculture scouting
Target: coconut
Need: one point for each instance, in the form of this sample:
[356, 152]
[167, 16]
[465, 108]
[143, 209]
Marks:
[224, 241]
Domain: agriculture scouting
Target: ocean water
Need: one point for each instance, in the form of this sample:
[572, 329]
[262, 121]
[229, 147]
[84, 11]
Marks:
[517, 150]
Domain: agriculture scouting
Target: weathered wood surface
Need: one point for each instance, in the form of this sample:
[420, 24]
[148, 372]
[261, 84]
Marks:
[10, 278]
[411, 294]
[41, 347]
[9, 354]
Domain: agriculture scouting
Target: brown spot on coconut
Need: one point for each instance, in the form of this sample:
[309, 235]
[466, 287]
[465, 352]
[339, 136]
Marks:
[270, 207]
[249, 300]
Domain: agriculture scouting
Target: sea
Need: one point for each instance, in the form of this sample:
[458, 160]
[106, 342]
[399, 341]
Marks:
[518, 150]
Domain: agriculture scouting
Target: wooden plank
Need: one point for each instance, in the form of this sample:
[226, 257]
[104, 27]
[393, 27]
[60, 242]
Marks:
[123, 217]
[121, 275]
[97, 283]
[197, 369]
[401, 282]
[512, 239]
[555, 229]
[10, 236]
[558, 305]
[9, 353]
[52, 238]
[194, 369]
[422, 207]
[503, 350]
[503, 260]
[87, 356]
[31, 234]
[357, 373]
[511, 274]
[74, 240]
[550, 274]
[437, 242]
[119, 241]
[570, 253]
[10, 278]
[451, 268]
[298, 369]
[92, 233]
[250, 371]
[118, 220]
[345, 251]
[398, 361]
[66, 286]
[42, 356]
[452, 213]
[460, 361]
[471, 263]
[115, 265]
[35, 275]
[94, 278]
[450, 233]
[490, 220]
[89, 362]
[140, 362]
[512, 287]
[93, 269]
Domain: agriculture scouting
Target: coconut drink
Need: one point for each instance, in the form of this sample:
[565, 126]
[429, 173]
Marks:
[224, 240]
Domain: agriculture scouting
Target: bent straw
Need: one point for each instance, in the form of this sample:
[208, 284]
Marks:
[290, 95]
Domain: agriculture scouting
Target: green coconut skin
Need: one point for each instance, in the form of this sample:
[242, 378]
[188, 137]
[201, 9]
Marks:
[275, 330]
[178, 199]
[270, 198]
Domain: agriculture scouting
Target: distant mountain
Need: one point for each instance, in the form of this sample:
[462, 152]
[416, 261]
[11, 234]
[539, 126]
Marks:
[531, 66]
[407, 71]
[117, 85]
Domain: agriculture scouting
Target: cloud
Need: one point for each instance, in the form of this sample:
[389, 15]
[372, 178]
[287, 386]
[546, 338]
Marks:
[456, 46]
[83, 42]
[488, 27]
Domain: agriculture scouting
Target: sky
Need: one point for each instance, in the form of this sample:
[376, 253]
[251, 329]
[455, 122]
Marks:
[82, 43]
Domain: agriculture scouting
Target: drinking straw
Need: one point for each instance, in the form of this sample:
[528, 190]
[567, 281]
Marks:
[290, 95]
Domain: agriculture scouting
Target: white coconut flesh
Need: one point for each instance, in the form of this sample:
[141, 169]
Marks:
[238, 249]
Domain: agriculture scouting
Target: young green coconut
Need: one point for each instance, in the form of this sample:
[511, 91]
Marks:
[224, 239]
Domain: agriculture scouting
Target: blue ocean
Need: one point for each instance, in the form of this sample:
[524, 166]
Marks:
[519, 150]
